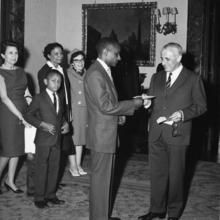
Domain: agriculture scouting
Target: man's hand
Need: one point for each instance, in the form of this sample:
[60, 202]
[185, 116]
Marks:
[138, 102]
[48, 127]
[121, 120]
[176, 116]
[65, 128]
[147, 103]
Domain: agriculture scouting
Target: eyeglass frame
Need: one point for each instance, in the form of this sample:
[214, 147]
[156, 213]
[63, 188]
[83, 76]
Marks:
[78, 60]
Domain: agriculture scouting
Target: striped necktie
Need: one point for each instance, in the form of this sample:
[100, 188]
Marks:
[168, 82]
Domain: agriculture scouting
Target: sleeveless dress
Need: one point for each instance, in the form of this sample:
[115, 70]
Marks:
[11, 129]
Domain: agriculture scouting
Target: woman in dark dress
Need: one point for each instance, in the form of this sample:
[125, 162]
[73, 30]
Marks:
[13, 85]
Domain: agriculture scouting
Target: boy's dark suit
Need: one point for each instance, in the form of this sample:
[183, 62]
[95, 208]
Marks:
[186, 94]
[41, 75]
[47, 145]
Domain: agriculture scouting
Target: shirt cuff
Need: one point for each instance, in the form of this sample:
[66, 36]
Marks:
[182, 115]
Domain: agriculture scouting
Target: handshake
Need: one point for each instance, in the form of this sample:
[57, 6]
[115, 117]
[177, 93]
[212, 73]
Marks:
[143, 99]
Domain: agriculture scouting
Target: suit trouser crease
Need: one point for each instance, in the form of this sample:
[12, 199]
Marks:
[167, 167]
[101, 172]
[46, 170]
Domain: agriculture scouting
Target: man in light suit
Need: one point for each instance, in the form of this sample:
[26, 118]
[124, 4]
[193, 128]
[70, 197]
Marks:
[103, 111]
[180, 97]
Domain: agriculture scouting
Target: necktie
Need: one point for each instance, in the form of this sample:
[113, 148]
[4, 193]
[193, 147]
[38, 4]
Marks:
[168, 82]
[55, 101]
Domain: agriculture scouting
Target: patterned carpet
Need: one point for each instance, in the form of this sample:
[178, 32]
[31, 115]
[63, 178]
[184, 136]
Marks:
[132, 197]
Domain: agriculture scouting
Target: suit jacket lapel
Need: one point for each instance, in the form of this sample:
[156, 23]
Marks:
[180, 79]
[47, 97]
[106, 76]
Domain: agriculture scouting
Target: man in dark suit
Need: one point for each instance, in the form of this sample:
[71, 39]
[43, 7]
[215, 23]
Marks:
[46, 113]
[103, 111]
[180, 97]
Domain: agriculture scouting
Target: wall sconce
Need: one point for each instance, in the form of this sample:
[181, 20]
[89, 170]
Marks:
[168, 27]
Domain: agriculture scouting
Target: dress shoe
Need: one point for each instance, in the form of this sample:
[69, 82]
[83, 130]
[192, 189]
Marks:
[41, 204]
[81, 171]
[55, 201]
[173, 218]
[152, 215]
[13, 190]
[74, 173]
[114, 218]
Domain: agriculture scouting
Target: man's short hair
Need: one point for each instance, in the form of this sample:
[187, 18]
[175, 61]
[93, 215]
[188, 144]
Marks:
[174, 45]
[104, 43]
[51, 73]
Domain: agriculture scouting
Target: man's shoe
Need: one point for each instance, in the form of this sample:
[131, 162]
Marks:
[55, 201]
[173, 218]
[114, 218]
[41, 204]
[152, 215]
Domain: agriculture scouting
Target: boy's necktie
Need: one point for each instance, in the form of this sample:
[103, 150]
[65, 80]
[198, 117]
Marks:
[168, 82]
[55, 101]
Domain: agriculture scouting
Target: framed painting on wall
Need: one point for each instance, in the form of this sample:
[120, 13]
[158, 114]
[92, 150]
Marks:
[131, 24]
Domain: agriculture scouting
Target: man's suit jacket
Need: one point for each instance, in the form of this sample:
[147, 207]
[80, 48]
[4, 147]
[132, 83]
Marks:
[186, 94]
[41, 75]
[42, 109]
[103, 109]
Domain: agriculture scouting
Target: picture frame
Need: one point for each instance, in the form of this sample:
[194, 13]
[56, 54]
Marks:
[132, 24]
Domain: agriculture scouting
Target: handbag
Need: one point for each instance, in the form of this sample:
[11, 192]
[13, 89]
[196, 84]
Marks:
[29, 136]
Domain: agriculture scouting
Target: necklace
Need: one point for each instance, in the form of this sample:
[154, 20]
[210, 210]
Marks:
[8, 67]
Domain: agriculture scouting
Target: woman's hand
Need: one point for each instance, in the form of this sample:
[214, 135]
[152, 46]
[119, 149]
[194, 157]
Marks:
[25, 123]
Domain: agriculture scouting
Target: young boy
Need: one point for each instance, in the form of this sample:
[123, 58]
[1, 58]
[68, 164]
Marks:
[46, 113]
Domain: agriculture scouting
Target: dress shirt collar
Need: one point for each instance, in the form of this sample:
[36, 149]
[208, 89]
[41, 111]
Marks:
[50, 93]
[175, 73]
[59, 68]
[106, 67]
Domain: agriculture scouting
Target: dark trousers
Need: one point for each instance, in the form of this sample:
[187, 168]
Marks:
[46, 171]
[67, 148]
[100, 185]
[167, 167]
[30, 175]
